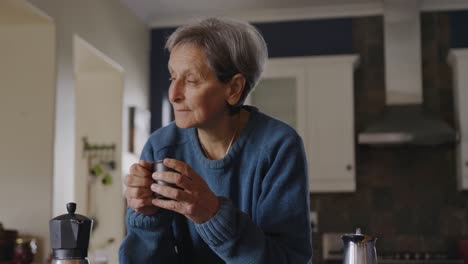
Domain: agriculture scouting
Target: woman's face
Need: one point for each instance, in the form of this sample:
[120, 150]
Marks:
[198, 98]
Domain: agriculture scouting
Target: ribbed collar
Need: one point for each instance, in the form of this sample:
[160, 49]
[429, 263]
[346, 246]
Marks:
[235, 148]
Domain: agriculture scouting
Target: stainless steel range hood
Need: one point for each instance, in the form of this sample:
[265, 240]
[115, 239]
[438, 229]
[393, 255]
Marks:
[404, 120]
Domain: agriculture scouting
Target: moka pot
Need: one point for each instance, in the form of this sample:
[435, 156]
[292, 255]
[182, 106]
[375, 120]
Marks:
[69, 237]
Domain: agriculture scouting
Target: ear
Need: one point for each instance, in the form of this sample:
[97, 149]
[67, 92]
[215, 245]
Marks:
[235, 89]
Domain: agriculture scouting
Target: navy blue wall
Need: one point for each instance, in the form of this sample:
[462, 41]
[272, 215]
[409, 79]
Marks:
[159, 75]
[308, 38]
[459, 29]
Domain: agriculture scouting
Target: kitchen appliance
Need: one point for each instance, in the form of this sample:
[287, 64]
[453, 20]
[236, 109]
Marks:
[333, 253]
[405, 119]
[332, 247]
[412, 257]
[69, 235]
[359, 248]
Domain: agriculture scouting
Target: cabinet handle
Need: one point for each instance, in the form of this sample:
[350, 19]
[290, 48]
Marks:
[466, 163]
[349, 167]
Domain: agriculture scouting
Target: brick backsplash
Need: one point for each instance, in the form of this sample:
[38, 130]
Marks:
[406, 196]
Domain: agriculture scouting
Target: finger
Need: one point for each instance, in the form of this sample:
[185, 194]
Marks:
[138, 204]
[136, 181]
[171, 192]
[178, 179]
[179, 166]
[140, 171]
[146, 164]
[138, 193]
[168, 204]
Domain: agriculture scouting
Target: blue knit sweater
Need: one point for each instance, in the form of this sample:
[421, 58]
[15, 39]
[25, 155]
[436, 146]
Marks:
[264, 213]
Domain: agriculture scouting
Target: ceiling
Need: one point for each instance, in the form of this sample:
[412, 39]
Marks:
[163, 13]
[155, 12]
[19, 12]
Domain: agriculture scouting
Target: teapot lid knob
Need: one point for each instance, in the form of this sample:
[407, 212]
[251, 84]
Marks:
[358, 231]
[71, 208]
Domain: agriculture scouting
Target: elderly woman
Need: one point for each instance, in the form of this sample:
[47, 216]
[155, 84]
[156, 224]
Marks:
[240, 192]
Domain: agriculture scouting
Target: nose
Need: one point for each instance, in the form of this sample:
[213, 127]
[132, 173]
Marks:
[176, 91]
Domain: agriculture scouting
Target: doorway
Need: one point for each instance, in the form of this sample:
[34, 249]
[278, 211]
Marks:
[99, 84]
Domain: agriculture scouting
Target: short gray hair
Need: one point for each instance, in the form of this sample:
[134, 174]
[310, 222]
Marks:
[231, 47]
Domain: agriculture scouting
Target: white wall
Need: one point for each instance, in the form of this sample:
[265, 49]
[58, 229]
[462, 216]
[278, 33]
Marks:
[27, 93]
[34, 163]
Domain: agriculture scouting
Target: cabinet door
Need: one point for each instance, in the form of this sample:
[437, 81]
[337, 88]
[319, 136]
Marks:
[331, 128]
[277, 98]
[314, 95]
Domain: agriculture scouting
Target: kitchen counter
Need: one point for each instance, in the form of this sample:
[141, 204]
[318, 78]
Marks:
[402, 261]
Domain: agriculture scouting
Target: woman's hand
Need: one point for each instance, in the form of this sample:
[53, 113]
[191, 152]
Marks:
[138, 192]
[195, 200]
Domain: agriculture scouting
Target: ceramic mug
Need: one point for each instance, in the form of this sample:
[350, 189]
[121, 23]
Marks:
[159, 166]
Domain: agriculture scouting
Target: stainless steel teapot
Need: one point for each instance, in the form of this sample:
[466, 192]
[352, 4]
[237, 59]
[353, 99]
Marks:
[359, 248]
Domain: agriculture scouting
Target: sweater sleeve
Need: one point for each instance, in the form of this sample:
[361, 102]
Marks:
[149, 239]
[281, 230]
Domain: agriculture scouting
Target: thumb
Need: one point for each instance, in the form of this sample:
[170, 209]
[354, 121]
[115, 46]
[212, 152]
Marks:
[146, 164]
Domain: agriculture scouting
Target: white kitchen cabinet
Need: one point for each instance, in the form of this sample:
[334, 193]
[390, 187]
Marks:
[459, 61]
[315, 96]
